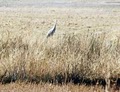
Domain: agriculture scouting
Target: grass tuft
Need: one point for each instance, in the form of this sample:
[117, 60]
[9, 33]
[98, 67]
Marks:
[59, 59]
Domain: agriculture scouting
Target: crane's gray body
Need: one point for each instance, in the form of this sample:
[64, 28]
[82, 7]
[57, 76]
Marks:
[51, 31]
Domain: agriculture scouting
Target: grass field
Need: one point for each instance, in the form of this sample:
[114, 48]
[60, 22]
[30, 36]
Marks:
[84, 49]
[22, 87]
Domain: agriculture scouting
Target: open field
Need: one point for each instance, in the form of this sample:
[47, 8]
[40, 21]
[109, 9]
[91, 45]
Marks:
[84, 49]
[22, 87]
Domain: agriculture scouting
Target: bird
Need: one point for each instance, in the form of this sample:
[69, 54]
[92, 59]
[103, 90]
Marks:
[52, 30]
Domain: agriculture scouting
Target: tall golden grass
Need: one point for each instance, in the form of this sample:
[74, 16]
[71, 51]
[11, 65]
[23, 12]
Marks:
[61, 58]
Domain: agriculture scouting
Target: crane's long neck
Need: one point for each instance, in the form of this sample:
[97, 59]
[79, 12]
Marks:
[55, 24]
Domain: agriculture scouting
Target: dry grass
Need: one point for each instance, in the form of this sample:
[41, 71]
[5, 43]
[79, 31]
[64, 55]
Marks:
[90, 53]
[22, 87]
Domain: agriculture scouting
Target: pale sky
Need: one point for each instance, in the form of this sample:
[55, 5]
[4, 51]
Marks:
[59, 3]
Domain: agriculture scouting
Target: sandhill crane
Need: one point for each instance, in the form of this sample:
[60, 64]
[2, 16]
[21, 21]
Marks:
[52, 30]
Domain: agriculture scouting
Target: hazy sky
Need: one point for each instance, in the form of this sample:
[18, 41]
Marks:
[59, 3]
